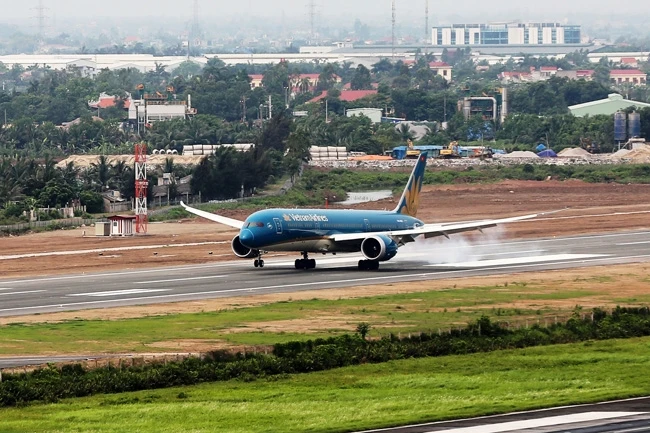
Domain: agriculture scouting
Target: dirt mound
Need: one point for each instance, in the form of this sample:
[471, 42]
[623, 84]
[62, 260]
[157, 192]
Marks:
[574, 152]
[86, 161]
[641, 154]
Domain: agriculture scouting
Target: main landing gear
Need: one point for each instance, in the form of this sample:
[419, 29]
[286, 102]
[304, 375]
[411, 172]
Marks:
[368, 265]
[259, 263]
[305, 262]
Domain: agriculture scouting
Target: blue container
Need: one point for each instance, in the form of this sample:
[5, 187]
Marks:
[620, 126]
[634, 125]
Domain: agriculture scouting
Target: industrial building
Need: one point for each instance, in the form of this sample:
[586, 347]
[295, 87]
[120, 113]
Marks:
[609, 106]
[510, 33]
[156, 107]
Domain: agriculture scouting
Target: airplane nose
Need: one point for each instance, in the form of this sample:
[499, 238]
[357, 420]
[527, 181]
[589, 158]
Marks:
[246, 237]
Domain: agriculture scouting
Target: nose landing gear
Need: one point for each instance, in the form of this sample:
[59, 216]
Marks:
[305, 262]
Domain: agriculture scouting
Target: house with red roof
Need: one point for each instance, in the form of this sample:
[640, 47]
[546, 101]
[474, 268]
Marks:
[108, 101]
[629, 62]
[627, 76]
[299, 83]
[442, 69]
[547, 71]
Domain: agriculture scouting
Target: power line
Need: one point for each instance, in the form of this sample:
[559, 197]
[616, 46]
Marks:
[426, 20]
[311, 10]
[40, 20]
[393, 32]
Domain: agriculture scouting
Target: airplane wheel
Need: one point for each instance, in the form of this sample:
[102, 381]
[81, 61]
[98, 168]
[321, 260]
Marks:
[362, 265]
[298, 264]
[374, 266]
[261, 263]
[256, 263]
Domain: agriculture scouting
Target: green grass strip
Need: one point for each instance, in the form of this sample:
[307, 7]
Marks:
[361, 397]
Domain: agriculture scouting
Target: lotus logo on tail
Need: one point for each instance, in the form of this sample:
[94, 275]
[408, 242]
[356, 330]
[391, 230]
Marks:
[408, 204]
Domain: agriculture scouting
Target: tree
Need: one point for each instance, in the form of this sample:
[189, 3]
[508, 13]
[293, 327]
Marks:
[361, 79]
[405, 132]
[327, 78]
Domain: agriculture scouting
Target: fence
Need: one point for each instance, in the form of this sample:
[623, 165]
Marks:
[68, 222]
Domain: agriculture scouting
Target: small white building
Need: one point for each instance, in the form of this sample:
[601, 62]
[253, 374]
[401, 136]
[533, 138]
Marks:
[122, 225]
[374, 114]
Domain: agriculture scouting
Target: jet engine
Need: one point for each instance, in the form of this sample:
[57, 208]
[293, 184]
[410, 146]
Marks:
[379, 248]
[242, 251]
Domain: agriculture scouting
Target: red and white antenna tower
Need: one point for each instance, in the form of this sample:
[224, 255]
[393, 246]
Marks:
[141, 186]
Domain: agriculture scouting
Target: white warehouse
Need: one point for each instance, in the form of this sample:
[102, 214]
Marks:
[510, 33]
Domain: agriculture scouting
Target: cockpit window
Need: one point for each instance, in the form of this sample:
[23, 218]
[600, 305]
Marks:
[252, 224]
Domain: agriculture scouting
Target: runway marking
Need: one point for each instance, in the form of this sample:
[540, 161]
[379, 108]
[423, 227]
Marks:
[542, 422]
[633, 243]
[119, 292]
[507, 253]
[105, 250]
[22, 293]
[516, 261]
[4, 289]
[181, 279]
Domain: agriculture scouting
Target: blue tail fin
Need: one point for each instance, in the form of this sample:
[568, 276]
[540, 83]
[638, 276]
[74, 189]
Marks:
[408, 204]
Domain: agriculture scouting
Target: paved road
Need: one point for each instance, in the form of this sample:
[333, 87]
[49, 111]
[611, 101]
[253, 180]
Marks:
[437, 259]
[624, 416]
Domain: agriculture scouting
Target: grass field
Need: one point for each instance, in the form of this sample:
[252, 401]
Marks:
[368, 396]
[296, 320]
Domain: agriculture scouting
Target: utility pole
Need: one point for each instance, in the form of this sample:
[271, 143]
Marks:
[243, 114]
[270, 108]
[393, 32]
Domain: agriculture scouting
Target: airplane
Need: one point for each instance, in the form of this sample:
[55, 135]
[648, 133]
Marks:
[376, 234]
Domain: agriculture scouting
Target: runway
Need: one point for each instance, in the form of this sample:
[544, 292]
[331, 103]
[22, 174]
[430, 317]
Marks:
[439, 259]
[623, 416]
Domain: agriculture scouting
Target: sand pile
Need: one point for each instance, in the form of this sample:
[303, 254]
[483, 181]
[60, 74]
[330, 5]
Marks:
[640, 154]
[86, 161]
[622, 153]
[574, 152]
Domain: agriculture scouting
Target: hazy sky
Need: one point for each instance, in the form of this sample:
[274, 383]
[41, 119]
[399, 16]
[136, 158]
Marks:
[555, 10]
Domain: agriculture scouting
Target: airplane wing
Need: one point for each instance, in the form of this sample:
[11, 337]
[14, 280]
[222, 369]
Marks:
[433, 230]
[214, 217]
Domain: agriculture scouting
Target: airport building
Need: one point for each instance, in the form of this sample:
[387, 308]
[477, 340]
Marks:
[511, 33]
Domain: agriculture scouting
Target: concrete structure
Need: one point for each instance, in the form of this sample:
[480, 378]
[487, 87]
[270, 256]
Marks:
[102, 228]
[374, 114]
[158, 107]
[509, 33]
[122, 225]
[628, 76]
[114, 202]
[609, 106]
[209, 149]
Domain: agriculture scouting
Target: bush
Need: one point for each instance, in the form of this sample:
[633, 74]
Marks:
[51, 384]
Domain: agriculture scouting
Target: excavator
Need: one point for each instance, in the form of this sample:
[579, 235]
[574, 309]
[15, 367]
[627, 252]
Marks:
[451, 152]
